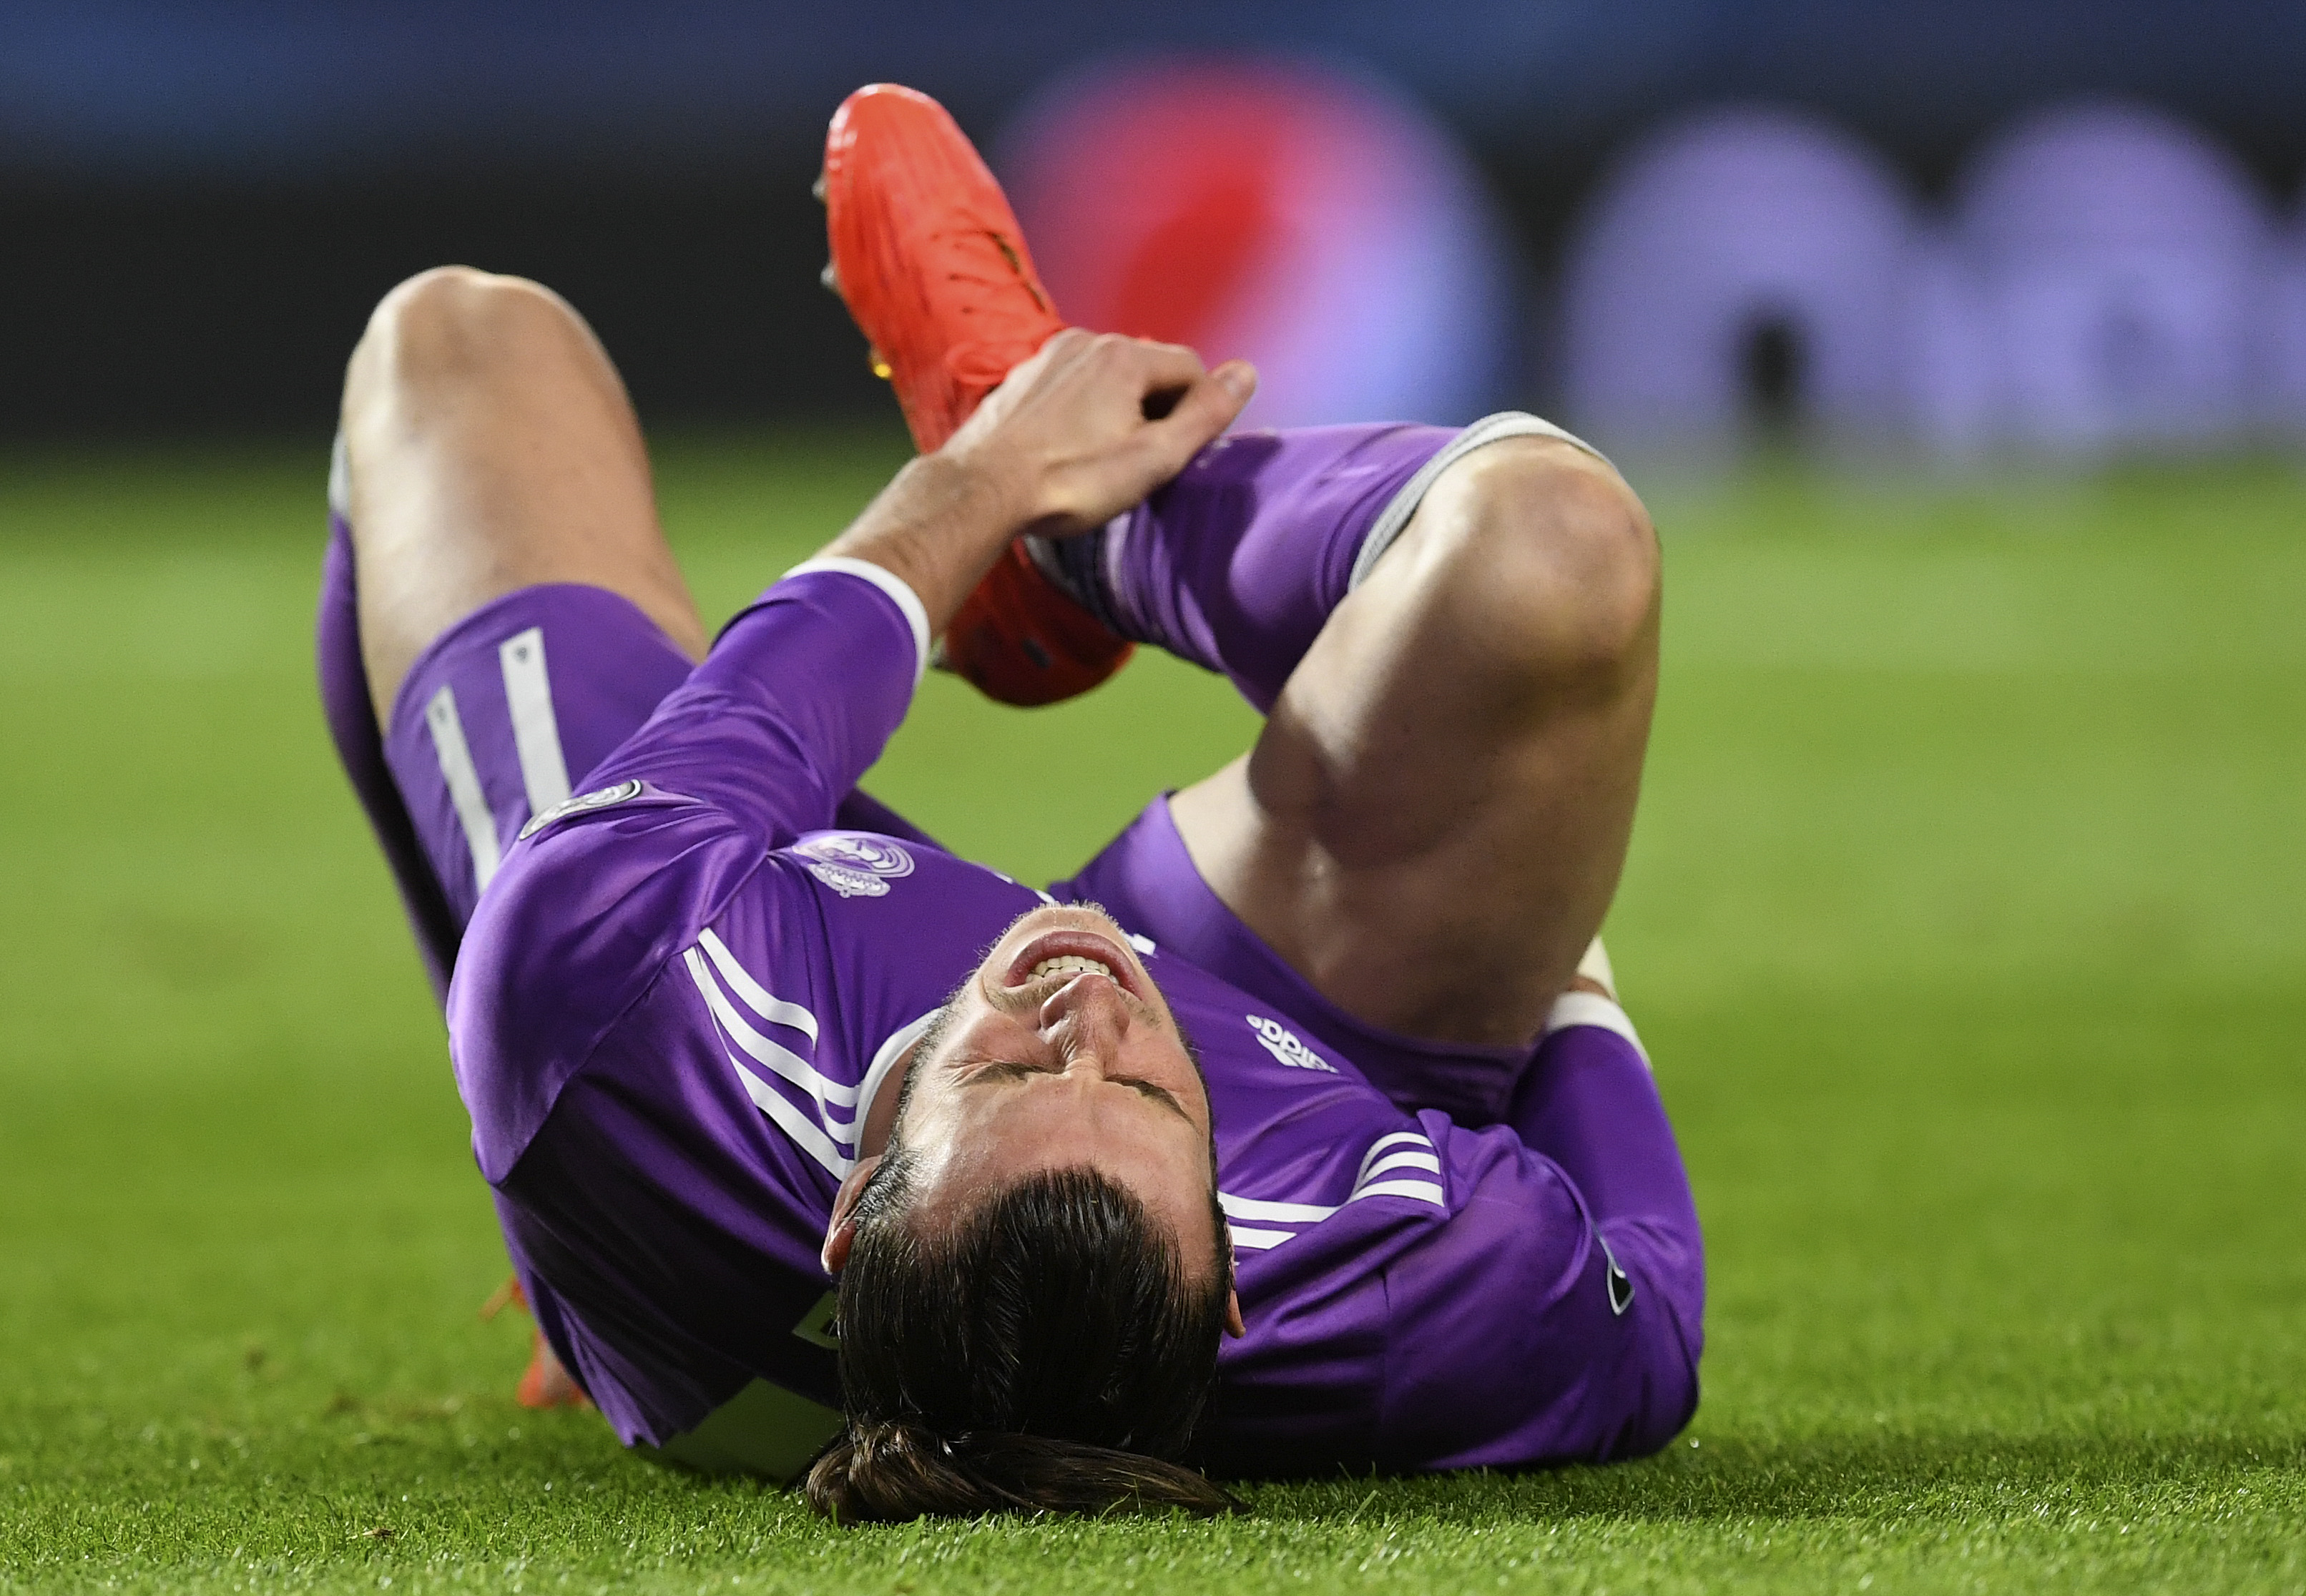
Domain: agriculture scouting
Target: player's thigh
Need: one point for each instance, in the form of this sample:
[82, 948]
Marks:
[1432, 822]
[492, 448]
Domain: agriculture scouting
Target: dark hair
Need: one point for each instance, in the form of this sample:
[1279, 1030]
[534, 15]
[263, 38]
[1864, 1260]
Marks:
[1046, 1350]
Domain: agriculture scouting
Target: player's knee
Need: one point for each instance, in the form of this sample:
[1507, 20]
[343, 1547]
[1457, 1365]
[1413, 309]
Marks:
[454, 325]
[1557, 554]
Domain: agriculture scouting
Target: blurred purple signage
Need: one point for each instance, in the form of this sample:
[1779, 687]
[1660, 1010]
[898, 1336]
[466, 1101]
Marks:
[2103, 278]
[1741, 266]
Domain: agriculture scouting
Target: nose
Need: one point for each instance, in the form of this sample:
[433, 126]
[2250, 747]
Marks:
[1087, 1017]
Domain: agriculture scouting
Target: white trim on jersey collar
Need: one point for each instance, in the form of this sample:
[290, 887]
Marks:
[884, 1059]
[899, 591]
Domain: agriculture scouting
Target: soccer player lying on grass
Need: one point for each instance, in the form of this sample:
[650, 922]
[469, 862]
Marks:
[1287, 1137]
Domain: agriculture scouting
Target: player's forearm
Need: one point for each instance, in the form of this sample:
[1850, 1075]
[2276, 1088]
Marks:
[939, 526]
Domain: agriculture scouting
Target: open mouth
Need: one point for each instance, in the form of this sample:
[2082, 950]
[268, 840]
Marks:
[1072, 950]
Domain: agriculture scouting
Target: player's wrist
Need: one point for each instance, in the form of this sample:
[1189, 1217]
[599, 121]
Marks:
[938, 526]
[993, 477]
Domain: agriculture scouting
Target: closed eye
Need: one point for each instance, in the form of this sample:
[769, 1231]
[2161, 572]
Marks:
[992, 1070]
[981, 1071]
[1159, 1094]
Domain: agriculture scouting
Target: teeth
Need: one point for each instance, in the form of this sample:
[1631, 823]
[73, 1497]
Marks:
[1068, 964]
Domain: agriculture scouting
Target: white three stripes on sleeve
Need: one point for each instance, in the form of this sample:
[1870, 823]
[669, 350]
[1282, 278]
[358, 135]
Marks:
[830, 1138]
[1403, 1160]
[771, 1008]
[781, 1061]
[1404, 1149]
[1401, 1150]
[811, 1136]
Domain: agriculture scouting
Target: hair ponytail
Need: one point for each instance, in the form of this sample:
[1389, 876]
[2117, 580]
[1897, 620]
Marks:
[1047, 1352]
[892, 1472]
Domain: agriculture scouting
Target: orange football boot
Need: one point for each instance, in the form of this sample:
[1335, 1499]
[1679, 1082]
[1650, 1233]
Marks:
[929, 258]
[545, 1383]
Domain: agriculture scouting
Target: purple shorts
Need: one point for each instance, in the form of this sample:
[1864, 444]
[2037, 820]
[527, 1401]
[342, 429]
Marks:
[506, 712]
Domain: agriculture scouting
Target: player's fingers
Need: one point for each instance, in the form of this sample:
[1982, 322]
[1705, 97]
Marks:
[1063, 348]
[1207, 408]
[1066, 345]
[1160, 373]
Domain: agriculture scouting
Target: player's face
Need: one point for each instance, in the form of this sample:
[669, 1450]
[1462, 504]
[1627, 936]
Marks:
[1059, 1051]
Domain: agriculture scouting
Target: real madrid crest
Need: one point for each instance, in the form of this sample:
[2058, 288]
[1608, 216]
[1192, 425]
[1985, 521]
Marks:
[582, 803]
[855, 863]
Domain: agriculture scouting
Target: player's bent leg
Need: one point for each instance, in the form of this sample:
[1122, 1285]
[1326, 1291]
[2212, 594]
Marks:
[490, 447]
[490, 510]
[1431, 827]
[1237, 563]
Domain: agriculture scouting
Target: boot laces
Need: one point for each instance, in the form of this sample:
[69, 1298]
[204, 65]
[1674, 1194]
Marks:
[983, 257]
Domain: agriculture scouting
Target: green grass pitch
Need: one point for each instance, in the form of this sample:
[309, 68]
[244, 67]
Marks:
[1964, 919]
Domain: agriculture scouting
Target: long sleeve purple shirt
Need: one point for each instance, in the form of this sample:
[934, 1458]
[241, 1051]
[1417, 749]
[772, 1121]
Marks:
[681, 990]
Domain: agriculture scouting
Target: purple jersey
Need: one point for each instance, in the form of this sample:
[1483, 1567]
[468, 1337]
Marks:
[683, 985]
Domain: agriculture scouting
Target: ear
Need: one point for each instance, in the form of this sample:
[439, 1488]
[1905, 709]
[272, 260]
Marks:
[1232, 1324]
[840, 1230]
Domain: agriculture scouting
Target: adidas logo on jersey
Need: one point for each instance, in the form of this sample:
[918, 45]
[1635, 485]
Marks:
[1283, 1044]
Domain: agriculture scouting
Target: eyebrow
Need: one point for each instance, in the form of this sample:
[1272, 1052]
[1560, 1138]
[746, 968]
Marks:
[1009, 1069]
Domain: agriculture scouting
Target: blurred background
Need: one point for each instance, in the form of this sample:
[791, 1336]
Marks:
[1951, 226]
[1959, 347]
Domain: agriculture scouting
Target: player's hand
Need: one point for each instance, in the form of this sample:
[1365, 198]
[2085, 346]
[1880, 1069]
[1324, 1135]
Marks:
[1079, 434]
[1094, 422]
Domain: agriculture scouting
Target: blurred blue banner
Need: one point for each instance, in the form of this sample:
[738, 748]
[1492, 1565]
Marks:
[205, 198]
[270, 88]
